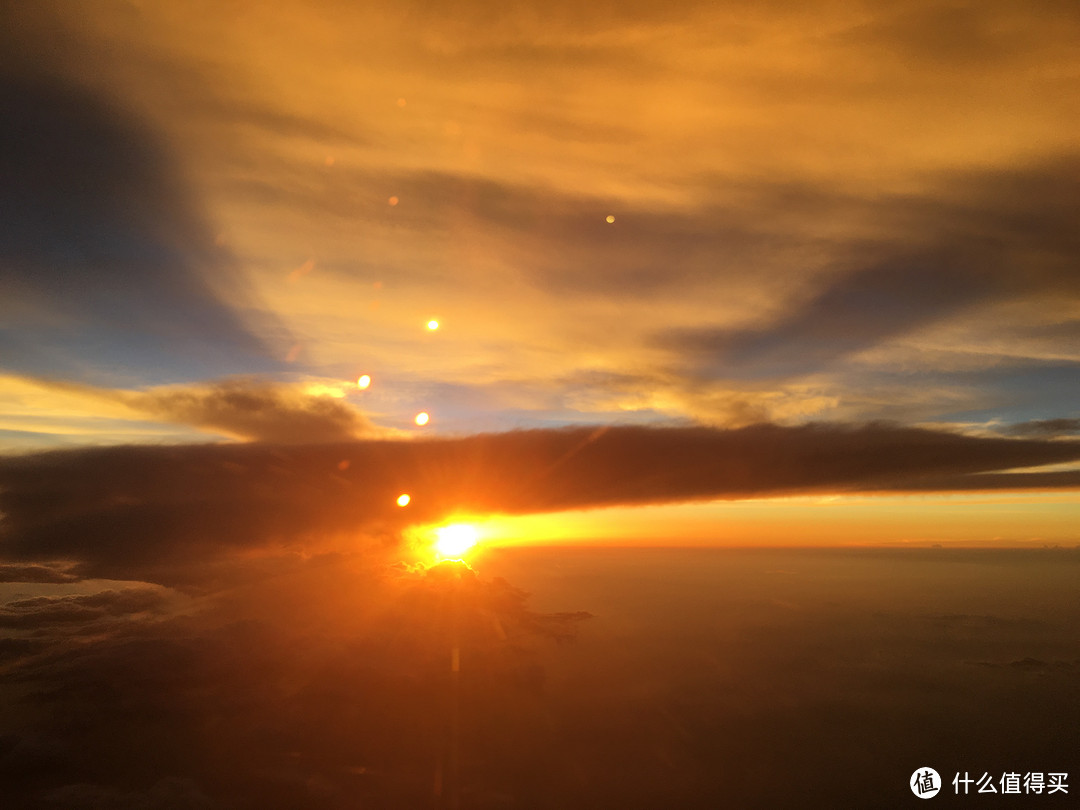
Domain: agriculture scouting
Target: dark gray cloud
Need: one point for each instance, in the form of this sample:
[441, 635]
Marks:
[963, 36]
[48, 611]
[1064, 479]
[1046, 428]
[255, 409]
[967, 240]
[149, 511]
[243, 407]
[1044, 667]
[984, 237]
[36, 573]
[559, 241]
[103, 254]
[13, 649]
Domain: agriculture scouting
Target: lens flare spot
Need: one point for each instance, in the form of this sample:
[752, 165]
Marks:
[393, 201]
[363, 382]
[403, 499]
[432, 325]
[422, 418]
[610, 219]
[454, 540]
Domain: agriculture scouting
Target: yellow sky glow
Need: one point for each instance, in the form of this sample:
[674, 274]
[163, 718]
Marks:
[1029, 519]
[540, 216]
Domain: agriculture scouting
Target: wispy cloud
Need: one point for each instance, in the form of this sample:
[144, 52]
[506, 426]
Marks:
[106, 256]
[247, 408]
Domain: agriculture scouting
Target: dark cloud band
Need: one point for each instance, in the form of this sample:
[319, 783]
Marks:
[136, 509]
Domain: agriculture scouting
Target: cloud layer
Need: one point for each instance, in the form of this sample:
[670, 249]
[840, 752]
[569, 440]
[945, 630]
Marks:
[135, 510]
[106, 254]
[830, 235]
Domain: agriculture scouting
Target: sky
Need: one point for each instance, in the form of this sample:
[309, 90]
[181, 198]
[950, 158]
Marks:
[661, 215]
[691, 295]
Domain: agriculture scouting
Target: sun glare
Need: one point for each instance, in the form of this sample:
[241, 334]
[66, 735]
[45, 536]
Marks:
[454, 540]
[363, 382]
[403, 499]
[432, 325]
[422, 418]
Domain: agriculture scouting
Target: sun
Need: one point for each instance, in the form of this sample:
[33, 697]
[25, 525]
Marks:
[452, 541]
